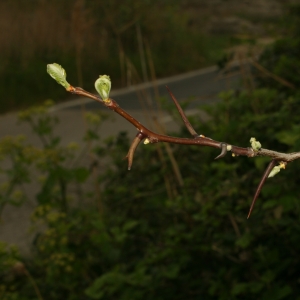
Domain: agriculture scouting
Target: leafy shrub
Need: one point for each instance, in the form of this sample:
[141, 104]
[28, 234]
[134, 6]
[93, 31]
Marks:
[144, 235]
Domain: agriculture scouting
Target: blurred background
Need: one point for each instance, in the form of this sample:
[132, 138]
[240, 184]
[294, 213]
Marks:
[132, 41]
[75, 223]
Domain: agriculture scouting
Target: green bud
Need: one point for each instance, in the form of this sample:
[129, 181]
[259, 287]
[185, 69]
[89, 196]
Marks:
[274, 171]
[256, 145]
[103, 85]
[58, 73]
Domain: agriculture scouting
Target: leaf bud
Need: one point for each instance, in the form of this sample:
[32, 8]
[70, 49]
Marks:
[58, 73]
[276, 169]
[256, 145]
[103, 86]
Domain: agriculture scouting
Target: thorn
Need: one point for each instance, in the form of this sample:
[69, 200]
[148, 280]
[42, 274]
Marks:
[139, 137]
[261, 183]
[183, 116]
[223, 151]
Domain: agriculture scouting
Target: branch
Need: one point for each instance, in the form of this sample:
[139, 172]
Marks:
[103, 85]
[153, 137]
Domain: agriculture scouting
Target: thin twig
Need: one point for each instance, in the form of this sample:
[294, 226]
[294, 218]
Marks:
[172, 159]
[36, 289]
[270, 74]
[234, 225]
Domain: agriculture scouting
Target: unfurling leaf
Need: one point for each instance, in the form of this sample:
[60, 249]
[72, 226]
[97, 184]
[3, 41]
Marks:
[58, 73]
[276, 170]
[256, 145]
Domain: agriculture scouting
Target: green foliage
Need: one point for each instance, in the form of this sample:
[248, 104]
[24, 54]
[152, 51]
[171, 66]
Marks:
[141, 235]
[282, 58]
[106, 233]
[19, 156]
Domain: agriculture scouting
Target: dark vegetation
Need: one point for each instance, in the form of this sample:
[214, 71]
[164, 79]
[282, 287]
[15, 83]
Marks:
[153, 233]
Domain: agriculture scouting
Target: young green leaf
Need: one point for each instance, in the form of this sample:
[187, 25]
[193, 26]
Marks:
[58, 73]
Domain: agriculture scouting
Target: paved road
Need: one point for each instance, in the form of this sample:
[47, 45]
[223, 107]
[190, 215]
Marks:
[203, 85]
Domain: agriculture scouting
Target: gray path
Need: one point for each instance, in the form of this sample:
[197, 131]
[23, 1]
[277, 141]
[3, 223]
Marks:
[203, 85]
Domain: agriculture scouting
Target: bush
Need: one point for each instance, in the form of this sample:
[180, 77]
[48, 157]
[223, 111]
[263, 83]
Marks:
[144, 235]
